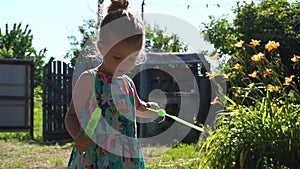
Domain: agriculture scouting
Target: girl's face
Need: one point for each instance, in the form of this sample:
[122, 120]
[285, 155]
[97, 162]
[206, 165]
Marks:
[120, 59]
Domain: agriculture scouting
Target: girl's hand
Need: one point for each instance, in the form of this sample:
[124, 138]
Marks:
[82, 143]
[144, 113]
[152, 105]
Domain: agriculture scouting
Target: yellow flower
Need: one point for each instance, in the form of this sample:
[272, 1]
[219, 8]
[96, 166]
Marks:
[239, 44]
[267, 72]
[226, 76]
[276, 88]
[210, 75]
[216, 56]
[272, 88]
[288, 80]
[255, 42]
[254, 74]
[237, 66]
[258, 57]
[215, 101]
[295, 58]
[251, 85]
[272, 45]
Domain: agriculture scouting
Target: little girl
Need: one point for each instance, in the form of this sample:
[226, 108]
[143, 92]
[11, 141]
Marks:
[106, 89]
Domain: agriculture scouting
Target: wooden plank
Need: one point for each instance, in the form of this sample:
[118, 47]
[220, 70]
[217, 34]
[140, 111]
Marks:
[45, 98]
[56, 88]
[12, 105]
[14, 97]
[64, 86]
[58, 98]
[11, 84]
[49, 99]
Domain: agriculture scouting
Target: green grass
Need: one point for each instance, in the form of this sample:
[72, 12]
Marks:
[32, 154]
[182, 156]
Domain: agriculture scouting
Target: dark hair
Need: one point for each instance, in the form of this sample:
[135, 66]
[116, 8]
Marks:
[117, 4]
[120, 25]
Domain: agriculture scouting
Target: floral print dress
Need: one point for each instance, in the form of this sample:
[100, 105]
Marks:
[115, 144]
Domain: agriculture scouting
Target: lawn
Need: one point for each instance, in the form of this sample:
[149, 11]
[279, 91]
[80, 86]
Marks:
[34, 154]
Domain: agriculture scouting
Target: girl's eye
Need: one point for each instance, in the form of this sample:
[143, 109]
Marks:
[117, 58]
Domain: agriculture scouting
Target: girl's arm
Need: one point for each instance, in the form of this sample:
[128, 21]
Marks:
[141, 106]
[82, 92]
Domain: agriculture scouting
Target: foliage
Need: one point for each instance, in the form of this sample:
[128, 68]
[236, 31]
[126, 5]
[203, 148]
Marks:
[263, 126]
[259, 136]
[156, 40]
[88, 30]
[264, 69]
[265, 20]
[17, 44]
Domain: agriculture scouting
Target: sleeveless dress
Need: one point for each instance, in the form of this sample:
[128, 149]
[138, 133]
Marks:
[115, 143]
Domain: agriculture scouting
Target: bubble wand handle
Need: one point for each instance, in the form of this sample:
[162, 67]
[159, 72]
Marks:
[162, 112]
[93, 122]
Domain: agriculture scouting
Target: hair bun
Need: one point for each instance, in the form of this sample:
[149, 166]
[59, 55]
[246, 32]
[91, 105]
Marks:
[118, 4]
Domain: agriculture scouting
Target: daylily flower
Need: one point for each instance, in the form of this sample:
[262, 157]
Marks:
[254, 74]
[267, 72]
[272, 45]
[237, 66]
[227, 76]
[216, 56]
[215, 101]
[255, 42]
[258, 57]
[251, 85]
[288, 80]
[272, 88]
[276, 88]
[239, 44]
[210, 75]
[295, 58]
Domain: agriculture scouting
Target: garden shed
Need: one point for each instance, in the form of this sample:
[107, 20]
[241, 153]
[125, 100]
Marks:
[177, 82]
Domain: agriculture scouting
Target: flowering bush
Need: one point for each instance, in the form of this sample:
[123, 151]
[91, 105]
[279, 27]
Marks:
[251, 75]
[262, 129]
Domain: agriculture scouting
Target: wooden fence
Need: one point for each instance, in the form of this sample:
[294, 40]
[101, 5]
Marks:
[57, 92]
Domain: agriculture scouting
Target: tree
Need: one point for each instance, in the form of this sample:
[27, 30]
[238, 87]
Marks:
[88, 30]
[156, 40]
[17, 44]
[265, 21]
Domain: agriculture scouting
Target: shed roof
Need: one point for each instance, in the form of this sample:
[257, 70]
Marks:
[176, 58]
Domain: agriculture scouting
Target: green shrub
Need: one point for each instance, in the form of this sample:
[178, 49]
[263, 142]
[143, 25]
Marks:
[262, 128]
[267, 134]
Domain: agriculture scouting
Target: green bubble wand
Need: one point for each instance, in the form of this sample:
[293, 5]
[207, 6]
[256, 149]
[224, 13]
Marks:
[93, 122]
[162, 113]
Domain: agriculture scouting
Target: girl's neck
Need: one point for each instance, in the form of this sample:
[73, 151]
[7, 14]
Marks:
[101, 68]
